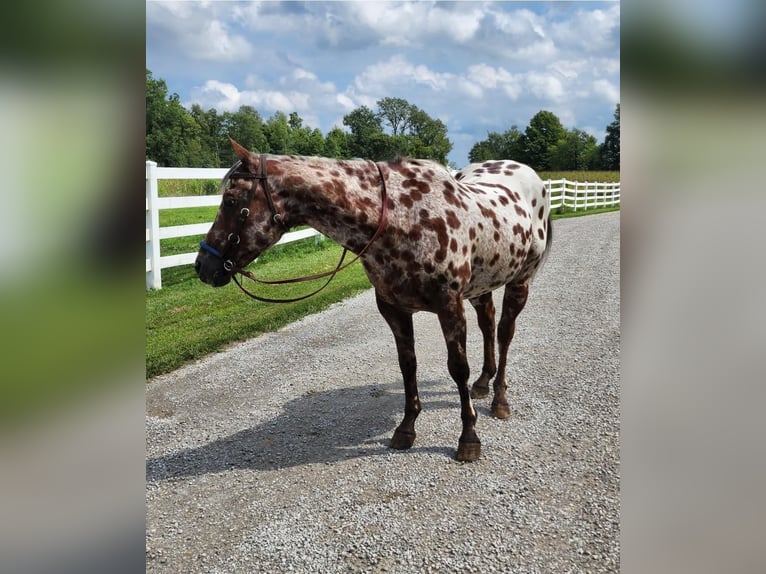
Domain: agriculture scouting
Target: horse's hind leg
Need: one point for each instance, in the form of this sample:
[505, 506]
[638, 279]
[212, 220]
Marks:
[401, 326]
[452, 320]
[514, 299]
[485, 314]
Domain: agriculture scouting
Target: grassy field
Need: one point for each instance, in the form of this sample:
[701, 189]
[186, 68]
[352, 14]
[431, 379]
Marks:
[583, 176]
[187, 319]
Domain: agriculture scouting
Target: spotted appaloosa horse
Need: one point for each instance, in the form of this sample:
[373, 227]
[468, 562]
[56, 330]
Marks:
[443, 239]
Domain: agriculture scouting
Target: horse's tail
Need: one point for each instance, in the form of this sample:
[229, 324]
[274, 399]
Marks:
[548, 243]
[549, 238]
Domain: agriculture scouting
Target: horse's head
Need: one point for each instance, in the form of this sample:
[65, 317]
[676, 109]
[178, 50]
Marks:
[249, 221]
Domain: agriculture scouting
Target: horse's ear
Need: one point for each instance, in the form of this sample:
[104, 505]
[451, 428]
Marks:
[241, 152]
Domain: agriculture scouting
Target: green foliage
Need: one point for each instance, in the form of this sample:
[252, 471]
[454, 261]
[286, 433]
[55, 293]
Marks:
[413, 132]
[200, 138]
[543, 133]
[584, 176]
[610, 150]
[576, 150]
[506, 145]
[184, 187]
[173, 136]
[546, 145]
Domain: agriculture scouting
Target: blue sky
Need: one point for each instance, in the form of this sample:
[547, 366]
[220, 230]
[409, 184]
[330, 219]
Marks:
[477, 66]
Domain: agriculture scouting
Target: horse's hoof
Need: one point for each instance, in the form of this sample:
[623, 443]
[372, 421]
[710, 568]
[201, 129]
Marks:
[478, 392]
[402, 440]
[501, 411]
[468, 451]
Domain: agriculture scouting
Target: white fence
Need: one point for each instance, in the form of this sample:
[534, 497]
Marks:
[572, 194]
[583, 195]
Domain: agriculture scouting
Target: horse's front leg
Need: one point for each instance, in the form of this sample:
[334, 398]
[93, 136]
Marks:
[401, 326]
[485, 314]
[452, 320]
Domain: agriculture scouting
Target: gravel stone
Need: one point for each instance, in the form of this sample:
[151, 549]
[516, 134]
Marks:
[272, 456]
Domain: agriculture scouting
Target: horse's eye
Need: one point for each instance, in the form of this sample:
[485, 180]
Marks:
[229, 201]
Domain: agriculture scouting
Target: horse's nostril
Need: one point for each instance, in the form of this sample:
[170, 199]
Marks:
[197, 266]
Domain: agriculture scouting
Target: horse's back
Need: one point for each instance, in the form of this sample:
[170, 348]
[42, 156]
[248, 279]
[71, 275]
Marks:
[517, 177]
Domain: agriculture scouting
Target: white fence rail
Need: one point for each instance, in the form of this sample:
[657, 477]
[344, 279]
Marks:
[572, 194]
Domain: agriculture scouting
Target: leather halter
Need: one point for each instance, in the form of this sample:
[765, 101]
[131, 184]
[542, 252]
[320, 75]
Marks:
[277, 217]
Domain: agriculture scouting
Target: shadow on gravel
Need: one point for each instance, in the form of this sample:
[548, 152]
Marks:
[319, 427]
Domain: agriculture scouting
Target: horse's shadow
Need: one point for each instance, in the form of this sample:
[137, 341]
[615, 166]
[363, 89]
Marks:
[319, 427]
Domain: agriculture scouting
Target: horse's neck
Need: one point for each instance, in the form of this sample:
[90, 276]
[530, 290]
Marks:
[341, 199]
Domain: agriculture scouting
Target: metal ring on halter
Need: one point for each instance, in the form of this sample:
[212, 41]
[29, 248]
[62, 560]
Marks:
[245, 212]
[231, 240]
[228, 265]
[278, 219]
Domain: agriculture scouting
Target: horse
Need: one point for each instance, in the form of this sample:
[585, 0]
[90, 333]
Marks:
[427, 240]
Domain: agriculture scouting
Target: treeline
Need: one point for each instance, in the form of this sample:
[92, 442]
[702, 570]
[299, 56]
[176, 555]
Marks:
[179, 137]
[176, 136]
[547, 146]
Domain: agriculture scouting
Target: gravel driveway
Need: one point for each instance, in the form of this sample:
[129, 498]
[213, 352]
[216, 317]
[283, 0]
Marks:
[272, 456]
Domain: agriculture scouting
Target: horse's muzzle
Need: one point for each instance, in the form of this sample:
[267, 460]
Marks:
[210, 269]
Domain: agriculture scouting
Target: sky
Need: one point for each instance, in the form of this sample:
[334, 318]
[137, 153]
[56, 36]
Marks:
[479, 67]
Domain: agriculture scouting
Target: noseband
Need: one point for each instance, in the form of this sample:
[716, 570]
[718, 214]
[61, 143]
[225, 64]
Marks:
[234, 239]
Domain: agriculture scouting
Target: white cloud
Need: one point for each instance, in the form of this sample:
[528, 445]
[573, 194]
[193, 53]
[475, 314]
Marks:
[195, 33]
[546, 87]
[397, 72]
[606, 90]
[588, 31]
[413, 23]
[214, 42]
[469, 88]
[488, 76]
[227, 97]
[218, 95]
[345, 102]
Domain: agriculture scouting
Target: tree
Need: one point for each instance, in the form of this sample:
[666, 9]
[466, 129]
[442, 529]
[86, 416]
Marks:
[506, 145]
[246, 126]
[543, 132]
[211, 132]
[277, 131]
[397, 113]
[365, 129]
[577, 150]
[610, 149]
[172, 134]
[413, 132]
[336, 144]
[428, 137]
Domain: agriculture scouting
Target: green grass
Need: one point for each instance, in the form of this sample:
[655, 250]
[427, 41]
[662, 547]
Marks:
[582, 176]
[564, 212]
[187, 319]
[184, 187]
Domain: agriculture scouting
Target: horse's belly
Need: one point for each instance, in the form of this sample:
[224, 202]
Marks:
[495, 265]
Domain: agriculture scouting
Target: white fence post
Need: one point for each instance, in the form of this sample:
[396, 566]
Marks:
[153, 269]
[577, 194]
